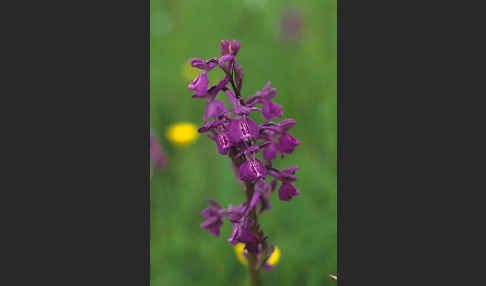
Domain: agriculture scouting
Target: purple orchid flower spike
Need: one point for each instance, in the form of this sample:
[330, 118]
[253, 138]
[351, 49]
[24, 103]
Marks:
[240, 138]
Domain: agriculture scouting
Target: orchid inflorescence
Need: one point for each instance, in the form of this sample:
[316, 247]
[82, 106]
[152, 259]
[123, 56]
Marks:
[241, 139]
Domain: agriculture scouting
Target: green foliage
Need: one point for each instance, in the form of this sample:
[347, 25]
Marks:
[305, 74]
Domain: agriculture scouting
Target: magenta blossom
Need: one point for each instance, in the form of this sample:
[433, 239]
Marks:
[214, 217]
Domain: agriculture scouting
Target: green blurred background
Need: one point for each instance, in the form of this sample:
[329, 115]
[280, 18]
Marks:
[304, 72]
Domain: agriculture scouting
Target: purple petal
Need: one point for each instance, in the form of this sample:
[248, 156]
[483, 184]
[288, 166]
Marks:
[202, 64]
[214, 109]
[252, 127]
[290, 170]
[209, 126]
[234, 47]
[215, 229]
[241, 232]
[287, 191]
[235, 214]
[251, 170]
[267, 93]
[223, 143]
[269, 152]
[238, 75]
[213, 203]
[271, 110]
[212, 225]
[233, 131]
[196, 62]
[215, 89]
[214, 217]
[207, 212]
[199, 85]
[232, 98]
[211, 64]
[254, 200]
[287, 143]
[273, 173]
[265, 190]
[242, 128]
[267, 266]
[224, 44]
[226, 58]
[286, 125]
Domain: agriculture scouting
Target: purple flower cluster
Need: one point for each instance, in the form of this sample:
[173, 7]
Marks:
[237, 136]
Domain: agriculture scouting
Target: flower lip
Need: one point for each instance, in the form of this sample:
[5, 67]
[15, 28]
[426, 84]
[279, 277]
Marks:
[241, 129]
[287, 191]
[287, 143]
[251, 170]
[199, 85]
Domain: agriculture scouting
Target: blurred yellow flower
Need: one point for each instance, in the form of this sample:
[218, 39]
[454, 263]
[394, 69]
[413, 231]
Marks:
[182, 133]
[240, 250]
[275, 257]
[188, 72]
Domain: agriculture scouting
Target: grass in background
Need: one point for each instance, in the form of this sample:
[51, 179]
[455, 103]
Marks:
[304, 72]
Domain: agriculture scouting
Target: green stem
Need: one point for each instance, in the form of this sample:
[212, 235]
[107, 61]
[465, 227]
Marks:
[253, 269]
[249, 190]
[254, 275]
